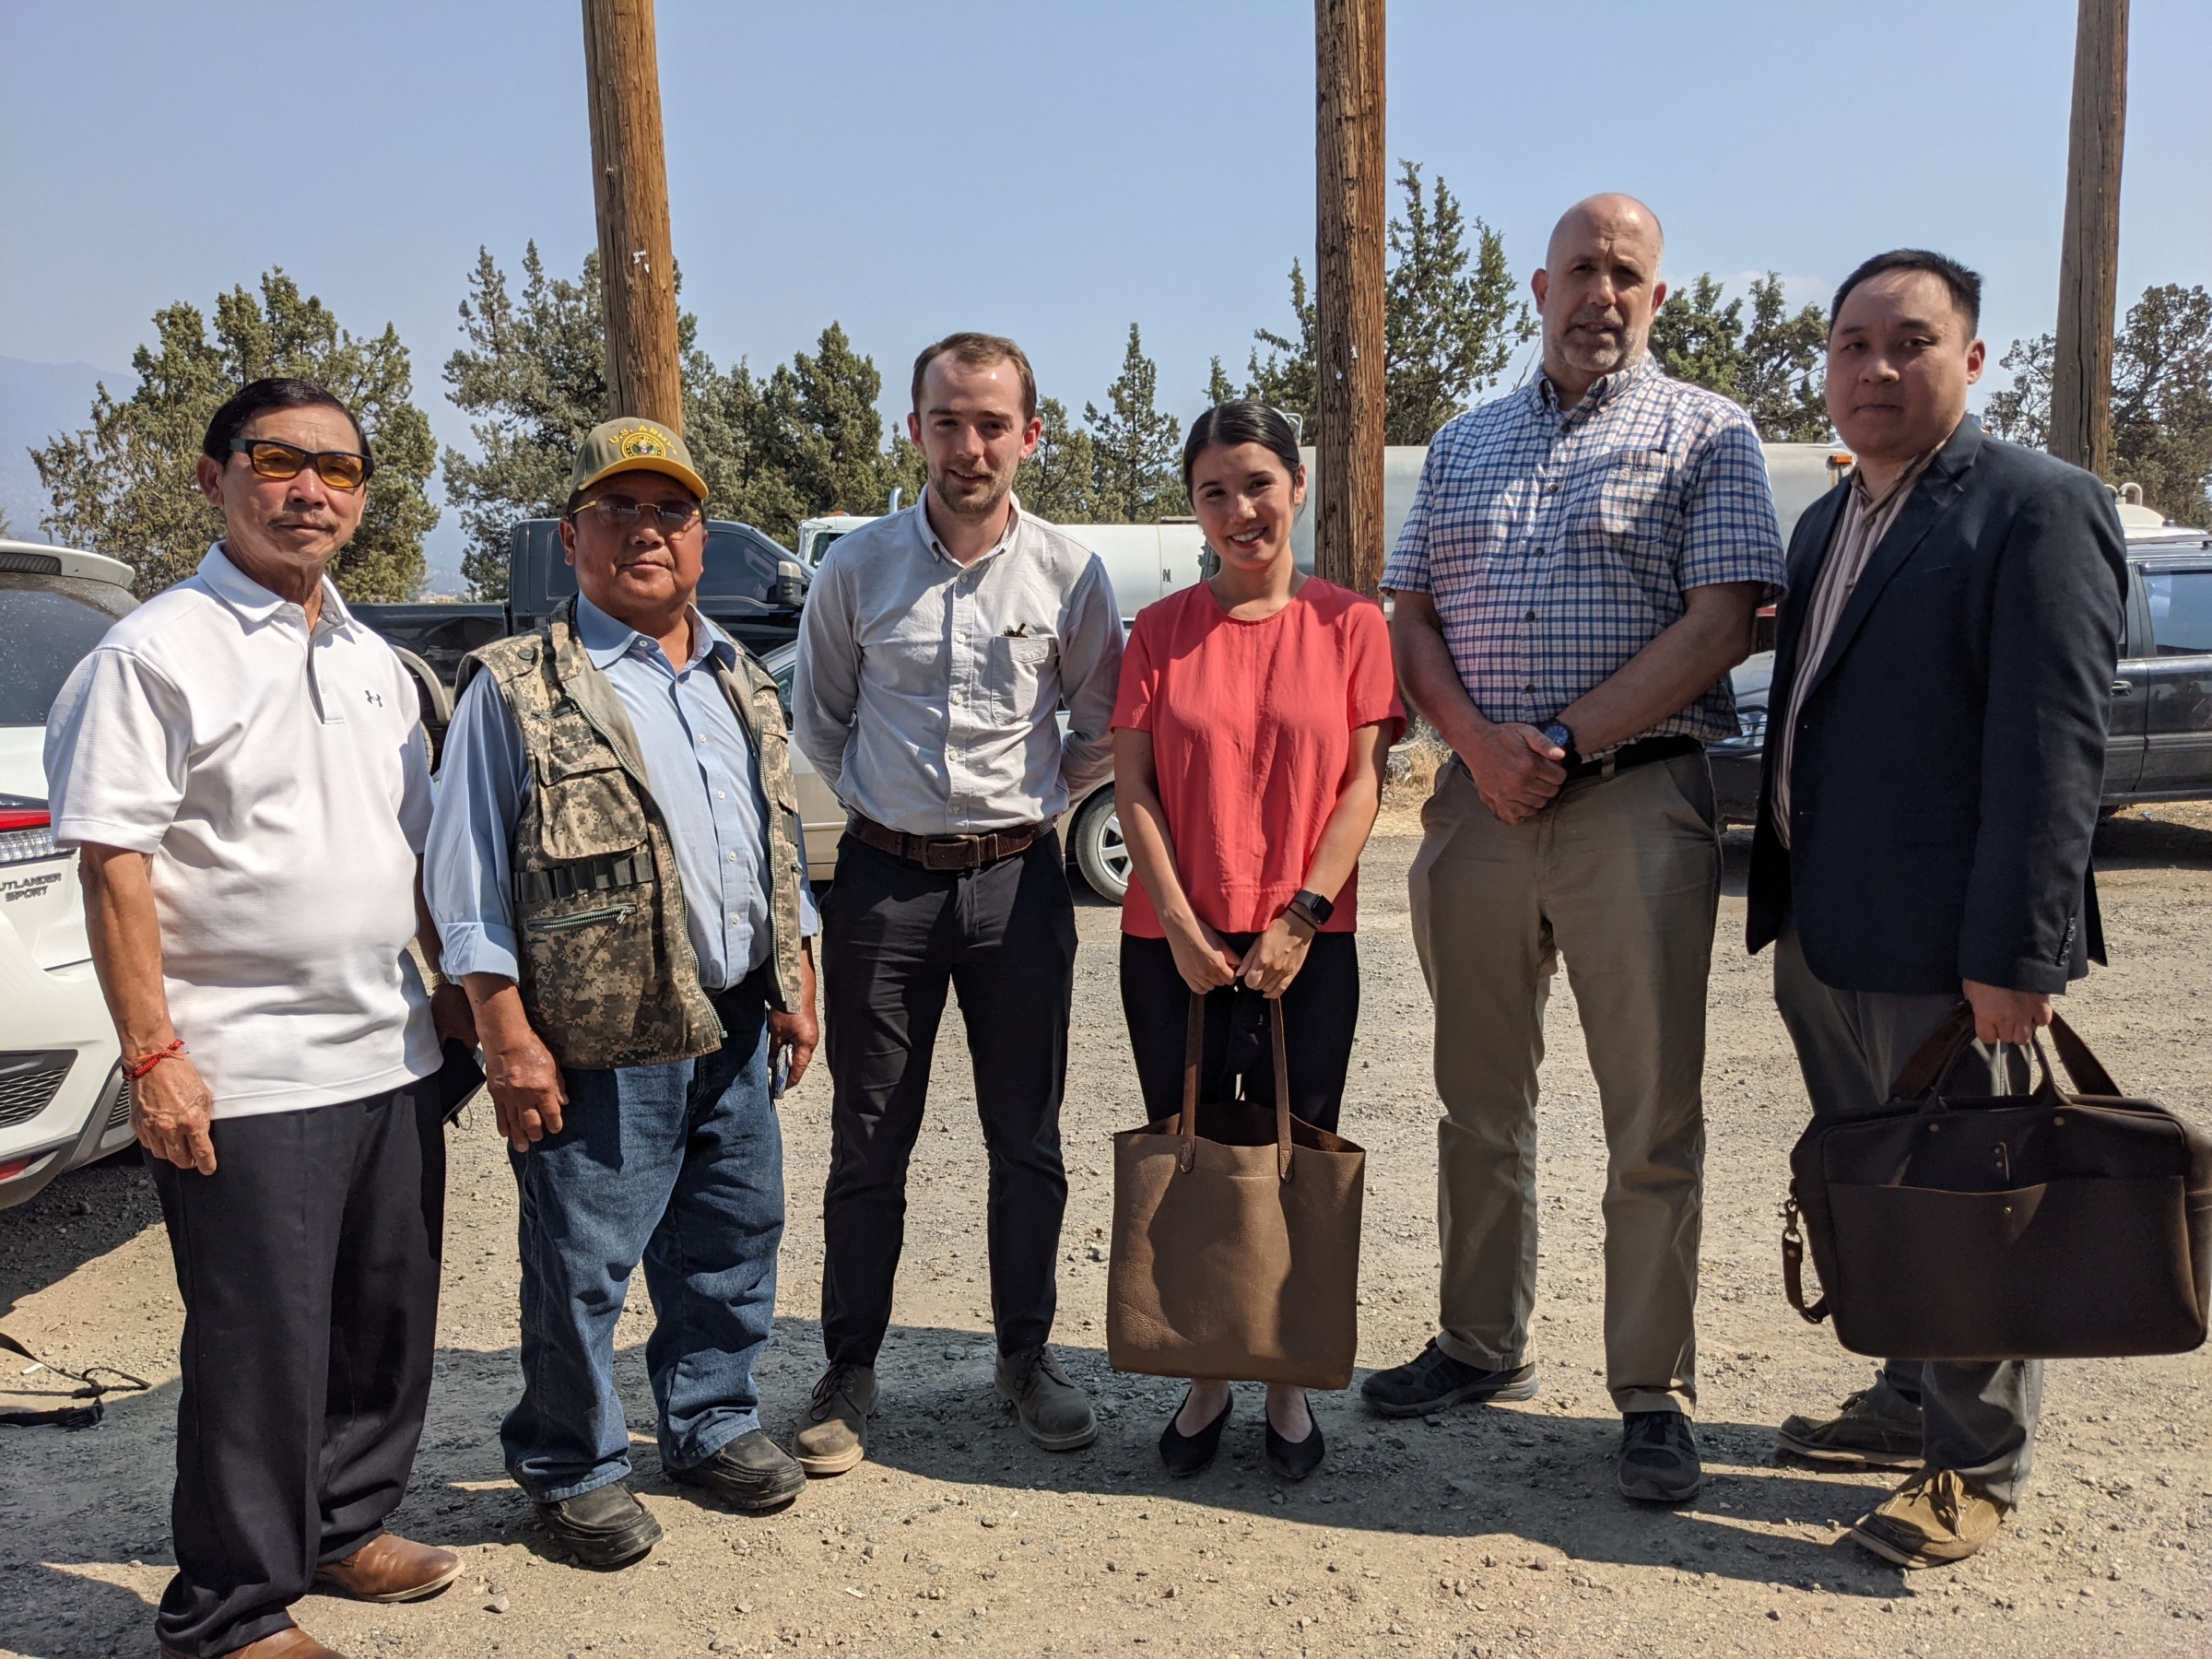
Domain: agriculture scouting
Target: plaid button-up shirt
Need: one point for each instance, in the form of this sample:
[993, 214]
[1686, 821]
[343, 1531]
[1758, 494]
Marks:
[1557, 545]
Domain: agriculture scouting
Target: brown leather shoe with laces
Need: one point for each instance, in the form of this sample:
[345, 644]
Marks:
[833, 1431]
[291, 1642]
[1934, 1519]
[390, 1569]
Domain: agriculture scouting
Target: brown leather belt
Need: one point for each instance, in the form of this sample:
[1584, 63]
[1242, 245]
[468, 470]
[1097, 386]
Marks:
[945, 852]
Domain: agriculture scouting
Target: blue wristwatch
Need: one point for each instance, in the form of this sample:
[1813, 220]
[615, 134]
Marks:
[1558, 734]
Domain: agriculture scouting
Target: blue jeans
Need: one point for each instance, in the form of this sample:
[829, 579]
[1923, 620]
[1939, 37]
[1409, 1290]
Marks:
[682, 1166]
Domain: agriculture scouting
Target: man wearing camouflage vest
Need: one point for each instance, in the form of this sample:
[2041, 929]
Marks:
[616, 870]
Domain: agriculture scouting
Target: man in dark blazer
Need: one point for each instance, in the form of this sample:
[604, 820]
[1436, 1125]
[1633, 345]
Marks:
[1934, 760]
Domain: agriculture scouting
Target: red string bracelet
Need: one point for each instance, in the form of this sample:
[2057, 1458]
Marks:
[135, 1069]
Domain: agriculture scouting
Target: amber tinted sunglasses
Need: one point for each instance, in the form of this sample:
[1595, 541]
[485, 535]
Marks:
[341, 469]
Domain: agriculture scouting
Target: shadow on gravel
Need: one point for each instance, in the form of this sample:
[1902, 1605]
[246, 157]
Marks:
[79, 1216]
[2131, 842]
[1525, 1484]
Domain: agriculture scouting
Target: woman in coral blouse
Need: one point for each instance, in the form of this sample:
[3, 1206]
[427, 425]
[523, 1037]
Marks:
[1255, 715]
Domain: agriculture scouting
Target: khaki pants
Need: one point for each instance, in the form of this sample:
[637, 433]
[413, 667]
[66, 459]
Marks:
[1623, 875]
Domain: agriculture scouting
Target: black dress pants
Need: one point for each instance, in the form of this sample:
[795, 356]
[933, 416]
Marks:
[895, 937]
[308, 1263]
[1321, 1013]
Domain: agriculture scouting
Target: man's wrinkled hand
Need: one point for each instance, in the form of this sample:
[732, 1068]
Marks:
[172, 1107]
[1517, 772]
[2003, 1015]
[801, 1033]
[528, 1094]
[451, 1017]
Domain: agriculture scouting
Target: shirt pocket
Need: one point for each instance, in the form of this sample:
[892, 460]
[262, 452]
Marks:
[1629, 503]
[1015, 668]
[586, 807]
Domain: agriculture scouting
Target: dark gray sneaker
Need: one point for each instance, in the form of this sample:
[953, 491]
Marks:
[1433, 1379]
[1658, 1458]
[752, 1475]
[1860, 1435]
[603, 1527]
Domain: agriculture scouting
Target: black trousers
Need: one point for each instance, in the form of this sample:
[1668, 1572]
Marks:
[1321, 1012]
[895, 938]
[308, 1263]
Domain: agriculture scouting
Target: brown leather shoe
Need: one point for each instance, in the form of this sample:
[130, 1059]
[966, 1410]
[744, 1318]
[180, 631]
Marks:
[390, 1569]
[291, 1642]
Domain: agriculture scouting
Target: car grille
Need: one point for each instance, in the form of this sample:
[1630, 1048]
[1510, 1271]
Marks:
[28, 1083]
[120, 1114]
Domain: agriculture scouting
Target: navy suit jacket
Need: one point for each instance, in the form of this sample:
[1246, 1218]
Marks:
[1950, 745]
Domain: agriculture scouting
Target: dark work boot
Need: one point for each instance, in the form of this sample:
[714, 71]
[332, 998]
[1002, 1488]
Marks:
[603, 1527]
[751, 1475]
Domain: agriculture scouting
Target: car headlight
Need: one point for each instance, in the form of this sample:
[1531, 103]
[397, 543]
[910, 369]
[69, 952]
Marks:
[25, 830]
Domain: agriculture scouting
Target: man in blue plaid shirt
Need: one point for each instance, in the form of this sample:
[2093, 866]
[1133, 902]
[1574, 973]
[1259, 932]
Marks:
[1578, 574]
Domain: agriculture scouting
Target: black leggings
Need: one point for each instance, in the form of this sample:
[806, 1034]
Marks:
[1320, 1010]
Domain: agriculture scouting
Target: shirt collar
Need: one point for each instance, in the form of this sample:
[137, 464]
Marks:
[936, 549]
[1603, 390]
[607, 640]
[254, 602]
[1863, 494]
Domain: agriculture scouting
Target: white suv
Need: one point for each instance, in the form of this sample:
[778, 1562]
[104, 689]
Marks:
[63, 1098]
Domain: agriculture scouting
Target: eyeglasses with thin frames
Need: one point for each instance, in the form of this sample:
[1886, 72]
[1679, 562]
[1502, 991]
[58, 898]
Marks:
[626, 514]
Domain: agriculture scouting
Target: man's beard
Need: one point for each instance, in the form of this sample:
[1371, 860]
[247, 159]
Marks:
[970, 502]
[1585, 351]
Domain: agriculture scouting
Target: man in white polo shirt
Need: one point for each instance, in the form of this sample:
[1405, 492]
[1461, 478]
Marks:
[243, 767]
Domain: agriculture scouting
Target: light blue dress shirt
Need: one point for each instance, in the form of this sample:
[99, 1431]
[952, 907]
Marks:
[704, 779]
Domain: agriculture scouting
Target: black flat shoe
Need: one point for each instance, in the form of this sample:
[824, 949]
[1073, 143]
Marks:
[1294, 1460]
[1188, 1453]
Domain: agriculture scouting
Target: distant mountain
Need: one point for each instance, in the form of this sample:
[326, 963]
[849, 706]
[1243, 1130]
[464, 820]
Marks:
[39, 401]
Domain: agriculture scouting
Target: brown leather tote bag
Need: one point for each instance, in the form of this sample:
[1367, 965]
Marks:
[1236, 1238]
[2044, 1226]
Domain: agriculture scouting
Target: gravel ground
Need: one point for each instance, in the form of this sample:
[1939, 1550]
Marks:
[1484, 1531]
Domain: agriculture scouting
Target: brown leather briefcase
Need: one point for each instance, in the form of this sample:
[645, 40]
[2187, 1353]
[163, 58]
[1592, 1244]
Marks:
[2043, 1226]
[1236, 1238]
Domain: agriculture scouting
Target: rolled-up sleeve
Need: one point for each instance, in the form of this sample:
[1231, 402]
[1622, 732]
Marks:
[825, 687]
[466, 863]
[117, 748]
[1090, 675]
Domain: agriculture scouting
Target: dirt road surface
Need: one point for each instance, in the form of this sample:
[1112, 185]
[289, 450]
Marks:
[1482, 1532]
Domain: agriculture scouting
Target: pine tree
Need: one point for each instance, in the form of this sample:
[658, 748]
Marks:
[1137, 450]
[1449, 321]
[1776, 368]
[1060, 481]
[127, 484]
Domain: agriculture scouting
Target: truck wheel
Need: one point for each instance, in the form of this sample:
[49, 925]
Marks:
[1100, 853]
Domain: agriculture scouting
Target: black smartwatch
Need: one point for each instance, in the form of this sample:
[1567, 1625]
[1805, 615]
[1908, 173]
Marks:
[1315, 909]
[1558, 734]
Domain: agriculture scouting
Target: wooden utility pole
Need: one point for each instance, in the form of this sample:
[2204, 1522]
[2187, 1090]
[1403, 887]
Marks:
[1351, 176]
[630, 183]
[2088, 260]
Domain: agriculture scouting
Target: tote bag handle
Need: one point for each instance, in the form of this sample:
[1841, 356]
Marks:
[1194, 1058]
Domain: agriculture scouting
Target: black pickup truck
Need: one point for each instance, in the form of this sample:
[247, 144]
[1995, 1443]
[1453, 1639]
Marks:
[2159, 741]
[752, 586]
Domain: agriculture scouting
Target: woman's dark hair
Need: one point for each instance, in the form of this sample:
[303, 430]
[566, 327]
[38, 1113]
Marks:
[1231, 424]
[258, 397]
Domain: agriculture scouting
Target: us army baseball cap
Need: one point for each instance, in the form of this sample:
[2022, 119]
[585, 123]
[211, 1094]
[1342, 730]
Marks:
[627, 444]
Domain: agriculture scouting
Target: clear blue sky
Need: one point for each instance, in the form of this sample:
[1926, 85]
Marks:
[1049, 171]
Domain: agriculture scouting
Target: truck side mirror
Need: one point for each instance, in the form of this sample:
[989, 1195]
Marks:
[790, 589]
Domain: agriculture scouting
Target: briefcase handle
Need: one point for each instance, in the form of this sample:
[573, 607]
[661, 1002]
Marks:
[1194, 1058]
[1932, 1062]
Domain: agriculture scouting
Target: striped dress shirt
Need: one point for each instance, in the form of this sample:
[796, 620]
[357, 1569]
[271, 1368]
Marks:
[1859, 529]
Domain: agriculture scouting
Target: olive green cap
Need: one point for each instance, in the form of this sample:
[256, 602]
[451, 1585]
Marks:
[629, 443]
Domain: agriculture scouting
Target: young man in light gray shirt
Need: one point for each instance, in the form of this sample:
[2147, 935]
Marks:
[939, 647]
